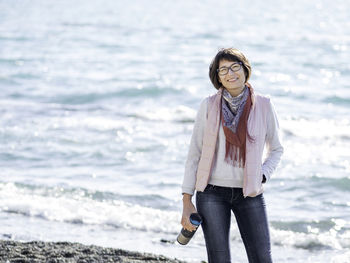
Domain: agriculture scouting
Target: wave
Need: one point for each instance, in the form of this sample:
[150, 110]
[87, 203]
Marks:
[339, 101]
[330, 240]
[178, 114]
[25, 76]
[303, 226]
[148, 91]
[304, 128]
[150, 200]
[82, 206]
[93, 97]
[342, 184]
[5, 82]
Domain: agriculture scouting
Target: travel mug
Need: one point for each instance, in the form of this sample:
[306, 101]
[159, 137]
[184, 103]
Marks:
[185, 236]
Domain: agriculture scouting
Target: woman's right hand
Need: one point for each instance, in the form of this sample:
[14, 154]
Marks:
[188, 209]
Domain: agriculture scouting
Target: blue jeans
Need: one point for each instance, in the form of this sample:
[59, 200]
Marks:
[215, 205]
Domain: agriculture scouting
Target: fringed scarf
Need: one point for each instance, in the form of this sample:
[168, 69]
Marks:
[234, 115]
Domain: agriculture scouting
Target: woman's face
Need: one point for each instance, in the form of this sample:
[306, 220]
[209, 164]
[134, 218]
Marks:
[233, 81]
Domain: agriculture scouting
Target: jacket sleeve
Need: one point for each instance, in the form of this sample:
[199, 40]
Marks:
[273, 143]
[195, 150]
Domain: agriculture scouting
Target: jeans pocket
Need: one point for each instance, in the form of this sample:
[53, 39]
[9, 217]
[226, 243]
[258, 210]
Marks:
[210, 188]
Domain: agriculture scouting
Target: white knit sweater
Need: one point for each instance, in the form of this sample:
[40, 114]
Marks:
[223, 174]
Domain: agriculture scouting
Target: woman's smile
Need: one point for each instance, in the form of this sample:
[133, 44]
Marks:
[232, 80]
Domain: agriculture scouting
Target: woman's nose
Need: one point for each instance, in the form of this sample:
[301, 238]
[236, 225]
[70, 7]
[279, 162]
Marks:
[230, 72]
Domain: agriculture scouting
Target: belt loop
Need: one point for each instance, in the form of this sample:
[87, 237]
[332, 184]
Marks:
[232, 194]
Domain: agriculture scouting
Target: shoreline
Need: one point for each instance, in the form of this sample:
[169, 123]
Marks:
[68, 252]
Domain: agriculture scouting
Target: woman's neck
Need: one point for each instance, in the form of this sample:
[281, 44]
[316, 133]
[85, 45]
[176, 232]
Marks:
[236, 93]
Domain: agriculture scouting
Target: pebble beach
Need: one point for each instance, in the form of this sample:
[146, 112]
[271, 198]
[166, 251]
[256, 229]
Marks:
[66, 252]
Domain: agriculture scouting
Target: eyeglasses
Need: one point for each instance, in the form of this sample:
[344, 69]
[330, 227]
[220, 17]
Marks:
[234, 67]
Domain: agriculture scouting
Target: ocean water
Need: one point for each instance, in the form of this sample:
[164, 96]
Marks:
[98, 100]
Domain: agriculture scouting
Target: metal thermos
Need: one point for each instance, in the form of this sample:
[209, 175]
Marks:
[185, 236]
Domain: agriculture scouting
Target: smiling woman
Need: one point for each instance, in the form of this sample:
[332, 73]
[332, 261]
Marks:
[224, 163]
[231, 69]
[231, 76]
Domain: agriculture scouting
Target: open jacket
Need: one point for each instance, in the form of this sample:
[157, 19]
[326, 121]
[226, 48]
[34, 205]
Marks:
[262, 126]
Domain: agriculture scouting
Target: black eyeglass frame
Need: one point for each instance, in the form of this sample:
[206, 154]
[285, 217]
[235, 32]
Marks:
[230, 68]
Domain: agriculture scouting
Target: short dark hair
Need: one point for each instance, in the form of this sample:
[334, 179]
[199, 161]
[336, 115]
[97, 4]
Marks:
[230, 54]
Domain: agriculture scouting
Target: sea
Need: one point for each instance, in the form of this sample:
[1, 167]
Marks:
[98, 101]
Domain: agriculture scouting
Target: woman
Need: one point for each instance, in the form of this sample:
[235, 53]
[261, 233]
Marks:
[224, 164]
